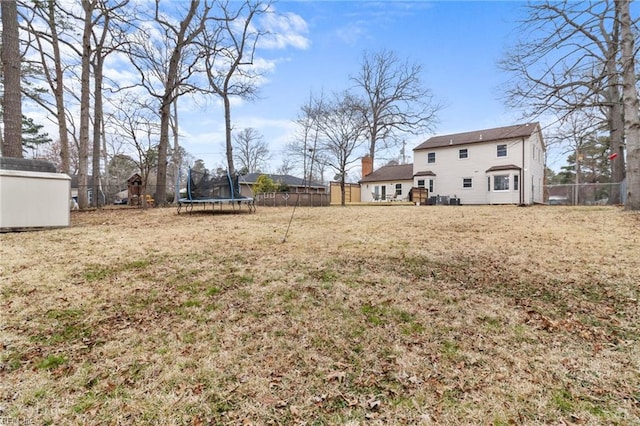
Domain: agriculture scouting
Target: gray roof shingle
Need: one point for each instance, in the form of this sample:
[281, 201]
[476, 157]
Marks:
[390, 173]
[503, 167]
[486, 135]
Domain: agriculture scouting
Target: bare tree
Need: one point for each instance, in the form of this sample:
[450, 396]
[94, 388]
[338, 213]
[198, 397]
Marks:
[47, 25]
[135, 122]
[286, 167]
[229, 47]
[397, 101]
[55, 18]
[165, 66]
[52, 152]
[568, 61]
[319, 168]
[631, 105]
[88, 7]
[343, 126]
[251, 151]
[121, 168]
[12, 98]
[304, 148]
[105, 41]
[573, 135]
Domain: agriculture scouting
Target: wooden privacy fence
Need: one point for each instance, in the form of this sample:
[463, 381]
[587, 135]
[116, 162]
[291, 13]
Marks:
[284, 199]
[351, 193]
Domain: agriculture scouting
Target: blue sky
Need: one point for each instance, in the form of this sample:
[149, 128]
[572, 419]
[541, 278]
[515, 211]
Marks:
[320, 43]
[457, 43]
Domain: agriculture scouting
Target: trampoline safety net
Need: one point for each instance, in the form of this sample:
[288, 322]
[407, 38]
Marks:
[202, 186]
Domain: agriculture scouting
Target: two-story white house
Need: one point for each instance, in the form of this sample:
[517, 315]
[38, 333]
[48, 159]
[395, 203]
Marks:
[503, 165]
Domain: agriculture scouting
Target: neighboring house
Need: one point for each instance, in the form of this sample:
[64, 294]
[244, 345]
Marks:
[388, 183]
[293, 183]
[503, 165]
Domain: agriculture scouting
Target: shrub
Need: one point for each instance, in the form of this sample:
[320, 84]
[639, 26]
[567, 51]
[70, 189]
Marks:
[264, 184]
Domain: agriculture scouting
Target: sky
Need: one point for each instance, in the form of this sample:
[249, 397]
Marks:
[315, 46]
[457, 43]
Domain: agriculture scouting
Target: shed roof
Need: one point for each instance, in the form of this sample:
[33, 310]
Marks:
[390, 173]
[477, 136]
[134, 178]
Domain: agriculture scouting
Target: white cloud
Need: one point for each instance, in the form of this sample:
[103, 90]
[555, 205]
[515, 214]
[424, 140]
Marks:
[285, 30]
[352, 34]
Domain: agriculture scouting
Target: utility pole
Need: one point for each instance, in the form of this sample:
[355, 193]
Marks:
[577, 184]
[312, 151]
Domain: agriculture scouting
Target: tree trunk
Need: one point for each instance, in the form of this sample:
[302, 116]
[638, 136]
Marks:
[58, 90]
[343, 179]
[171, 88]
[227, 129]
[160, 196]
[631, 114]
[105, 160]
[372, 144]
[616, 142]
[12, 101]
[175, 158]
[97, 124]
[83, 151]
[615, 118]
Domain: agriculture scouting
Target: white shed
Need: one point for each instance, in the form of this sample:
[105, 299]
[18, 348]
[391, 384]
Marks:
[32, 195]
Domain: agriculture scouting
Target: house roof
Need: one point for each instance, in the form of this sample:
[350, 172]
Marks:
[251, 178]
[485, 135]
[503, 167]
[425, 173]
[390, 173]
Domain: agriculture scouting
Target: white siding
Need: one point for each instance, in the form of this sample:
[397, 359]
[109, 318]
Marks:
[367, 189]
[34, 199]
[534, 170]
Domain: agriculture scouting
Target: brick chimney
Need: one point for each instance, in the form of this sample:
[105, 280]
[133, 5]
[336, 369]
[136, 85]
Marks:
[367, 165]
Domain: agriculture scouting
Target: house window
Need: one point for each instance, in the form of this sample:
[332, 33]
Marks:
[398, 189]
[430, 186]
[420, 183]
[502, 150]
[488, 183]
[463, 153]
[467, 183]
[501, 183]
[515, 182]
[431, 157]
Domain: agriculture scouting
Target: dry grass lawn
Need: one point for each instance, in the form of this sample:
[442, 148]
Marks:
[365, 315]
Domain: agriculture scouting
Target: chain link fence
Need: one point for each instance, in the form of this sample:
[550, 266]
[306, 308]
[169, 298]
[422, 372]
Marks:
[585, 194]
